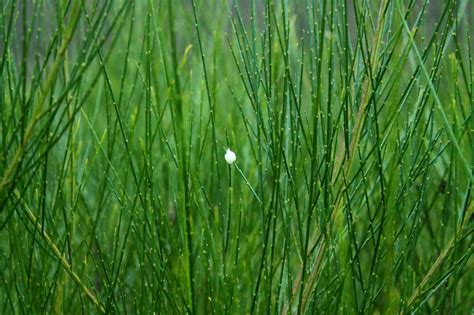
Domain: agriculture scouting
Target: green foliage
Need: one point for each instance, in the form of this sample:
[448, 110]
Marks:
[352, 122]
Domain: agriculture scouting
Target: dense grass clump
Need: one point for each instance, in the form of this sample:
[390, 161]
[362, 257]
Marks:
[352, 125]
